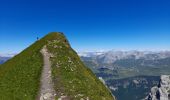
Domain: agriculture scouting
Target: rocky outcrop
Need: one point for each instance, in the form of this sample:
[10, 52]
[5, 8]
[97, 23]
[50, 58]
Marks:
[162, 91]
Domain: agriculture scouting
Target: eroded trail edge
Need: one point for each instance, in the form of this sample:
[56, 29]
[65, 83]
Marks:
[47, 91]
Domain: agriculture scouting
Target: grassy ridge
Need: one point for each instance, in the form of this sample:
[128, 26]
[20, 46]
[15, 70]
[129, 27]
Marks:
[71, 77]
[20, 76]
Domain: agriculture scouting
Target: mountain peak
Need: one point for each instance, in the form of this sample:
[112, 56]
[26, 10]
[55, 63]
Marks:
[20, 76]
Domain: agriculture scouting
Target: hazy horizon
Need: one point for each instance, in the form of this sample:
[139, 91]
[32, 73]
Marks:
[86, 51]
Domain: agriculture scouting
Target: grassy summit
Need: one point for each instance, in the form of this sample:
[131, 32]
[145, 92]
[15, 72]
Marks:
[20, 76]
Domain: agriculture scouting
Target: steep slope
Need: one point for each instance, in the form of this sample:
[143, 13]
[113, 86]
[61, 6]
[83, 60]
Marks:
[20, 76]
[72, 79]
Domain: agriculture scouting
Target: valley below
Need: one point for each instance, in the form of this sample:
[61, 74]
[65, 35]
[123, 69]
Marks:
[129, 75]
[133, 88]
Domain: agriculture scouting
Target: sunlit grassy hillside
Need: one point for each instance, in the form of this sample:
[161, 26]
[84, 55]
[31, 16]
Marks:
[20, 76]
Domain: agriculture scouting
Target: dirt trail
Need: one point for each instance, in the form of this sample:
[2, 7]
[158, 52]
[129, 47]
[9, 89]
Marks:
[47, 91]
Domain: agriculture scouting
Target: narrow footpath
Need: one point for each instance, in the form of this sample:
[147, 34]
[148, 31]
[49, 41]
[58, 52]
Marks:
[47, 91]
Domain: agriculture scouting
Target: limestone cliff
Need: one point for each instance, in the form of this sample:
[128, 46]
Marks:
[162, 91]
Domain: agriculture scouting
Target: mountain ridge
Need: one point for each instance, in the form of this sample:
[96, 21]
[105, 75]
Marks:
[70, 76]
[112, 56]
[126, 64]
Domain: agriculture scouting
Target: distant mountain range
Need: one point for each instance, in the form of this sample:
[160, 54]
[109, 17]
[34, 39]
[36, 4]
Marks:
[129, 74]
[112, 56]
[128, 63]
[4, 59]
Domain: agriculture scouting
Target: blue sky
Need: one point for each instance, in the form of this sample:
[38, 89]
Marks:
[89, 25]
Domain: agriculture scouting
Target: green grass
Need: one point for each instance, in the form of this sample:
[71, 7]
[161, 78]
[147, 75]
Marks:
[70, 75]
[20, 76]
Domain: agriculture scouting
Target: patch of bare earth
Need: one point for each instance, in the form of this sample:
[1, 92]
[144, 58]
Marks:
[47, 91]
